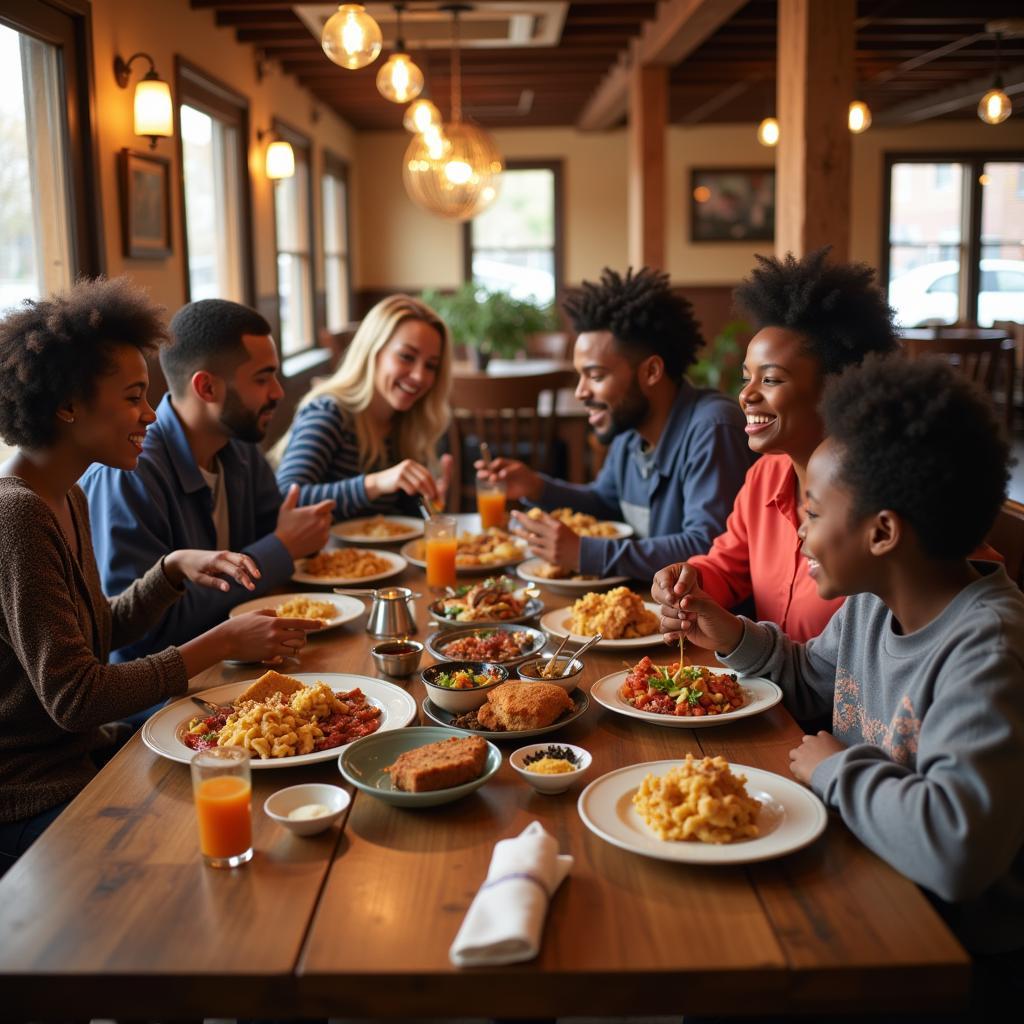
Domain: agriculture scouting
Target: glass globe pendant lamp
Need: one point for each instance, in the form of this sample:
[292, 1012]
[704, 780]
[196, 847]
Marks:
[995, 106]
[859, 118]
[351, 38]
[421, 115]
[768, 132]
[399, 80]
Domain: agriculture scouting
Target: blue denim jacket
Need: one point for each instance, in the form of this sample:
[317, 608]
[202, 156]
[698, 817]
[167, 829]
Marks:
[165, 504]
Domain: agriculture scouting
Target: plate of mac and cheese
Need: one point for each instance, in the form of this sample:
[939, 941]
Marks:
[702, 812]
[330, 610]
[620, 616]
[283, 721]
[378, 529]
[342, 567]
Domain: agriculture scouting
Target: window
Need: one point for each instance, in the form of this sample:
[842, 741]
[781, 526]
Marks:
[214, 129]
[48, 207]
[337, 271]
[955, 242]
[293, 220]
[515, 245]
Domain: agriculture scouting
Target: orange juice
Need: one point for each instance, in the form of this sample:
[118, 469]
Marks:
[223, 810]
[491, 506]
[441, 561]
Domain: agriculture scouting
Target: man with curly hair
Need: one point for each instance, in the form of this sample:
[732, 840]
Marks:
[202, 481]
[922, 669]
[677, 454]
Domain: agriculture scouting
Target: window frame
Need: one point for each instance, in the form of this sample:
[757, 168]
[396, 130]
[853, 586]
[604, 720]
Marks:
[558, 249]
[298, 141]
[67, 24]
[337, 167]
[974, 161]
[196, 88]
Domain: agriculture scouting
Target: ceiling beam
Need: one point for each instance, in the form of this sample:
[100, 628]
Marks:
[950, 100]
[678, 29]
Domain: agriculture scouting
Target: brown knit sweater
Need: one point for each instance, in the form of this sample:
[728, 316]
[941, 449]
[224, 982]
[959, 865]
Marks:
[56, 632]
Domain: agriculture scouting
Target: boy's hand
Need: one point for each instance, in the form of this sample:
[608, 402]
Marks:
[520, 481]
[303, 531]
[811, 752]
[669, 586]
[707, 624]
[549, 539]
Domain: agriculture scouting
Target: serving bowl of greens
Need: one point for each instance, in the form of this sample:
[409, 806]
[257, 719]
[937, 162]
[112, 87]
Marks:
[460, 686]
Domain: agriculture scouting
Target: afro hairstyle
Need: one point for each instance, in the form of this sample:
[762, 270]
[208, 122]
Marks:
[54, 350]
[643, 314]
[836, 307]
[919, 438]
[207, 335]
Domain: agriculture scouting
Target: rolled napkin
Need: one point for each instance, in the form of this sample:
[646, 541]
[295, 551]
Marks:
[504, 922]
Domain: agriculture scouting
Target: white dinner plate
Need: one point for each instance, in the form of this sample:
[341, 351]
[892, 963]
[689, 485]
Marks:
[446, 718]
[352, 531]
[622, 530]
[161, 732]
[528, 571]
[396, 563]
[761, 695]
[347, 608]
[534, 606]
[791, 817]
[557, 624]
[415, 552]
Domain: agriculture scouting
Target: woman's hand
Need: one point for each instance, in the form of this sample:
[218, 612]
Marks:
[408, 476]
[707, 624]
[263, 636]
[211, 568]
[669, 586]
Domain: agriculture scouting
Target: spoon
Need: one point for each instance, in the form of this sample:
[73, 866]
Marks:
[595, 639]
[358, 593]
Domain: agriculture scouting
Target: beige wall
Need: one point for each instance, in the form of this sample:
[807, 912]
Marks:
[164, 29]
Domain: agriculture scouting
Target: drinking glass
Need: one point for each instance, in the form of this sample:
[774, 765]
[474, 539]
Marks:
[490, 503]
[441, 534]
[222, 789]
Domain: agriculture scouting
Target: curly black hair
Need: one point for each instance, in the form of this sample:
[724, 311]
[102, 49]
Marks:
[837, 307]
[919, 438]
[54, 350]
[643, 313]
[207, 335]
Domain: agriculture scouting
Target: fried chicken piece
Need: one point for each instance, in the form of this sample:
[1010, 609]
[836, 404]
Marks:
[515, 706]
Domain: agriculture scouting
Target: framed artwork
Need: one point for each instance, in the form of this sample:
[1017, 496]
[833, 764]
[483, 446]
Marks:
[145, 206]
[732, 205]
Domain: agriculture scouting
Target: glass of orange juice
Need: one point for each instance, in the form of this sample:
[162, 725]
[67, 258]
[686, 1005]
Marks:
[222, 789]
[440, 534]
[490, 503]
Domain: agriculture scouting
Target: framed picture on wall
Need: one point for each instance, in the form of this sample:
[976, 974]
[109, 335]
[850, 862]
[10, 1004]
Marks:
[145, 206]
[732, 204]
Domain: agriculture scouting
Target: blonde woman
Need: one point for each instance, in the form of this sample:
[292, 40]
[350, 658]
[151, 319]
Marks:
[366, 436]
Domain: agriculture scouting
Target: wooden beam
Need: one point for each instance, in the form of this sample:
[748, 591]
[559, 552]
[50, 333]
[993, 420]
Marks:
[678, 29]
[815, 83]
[950, 100]
[648, 116]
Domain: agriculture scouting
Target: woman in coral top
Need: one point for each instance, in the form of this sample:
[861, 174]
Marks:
[813, 318]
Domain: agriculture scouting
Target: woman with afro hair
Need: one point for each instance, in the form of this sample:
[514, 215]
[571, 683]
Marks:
[812, 319]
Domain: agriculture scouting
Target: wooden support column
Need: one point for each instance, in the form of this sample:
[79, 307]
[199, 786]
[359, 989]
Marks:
[815, 86]
[648, 114]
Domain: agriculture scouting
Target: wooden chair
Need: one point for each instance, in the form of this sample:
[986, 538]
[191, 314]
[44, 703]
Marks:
[1007, 537]
[337, 341]
[549, 345]
[504, 412]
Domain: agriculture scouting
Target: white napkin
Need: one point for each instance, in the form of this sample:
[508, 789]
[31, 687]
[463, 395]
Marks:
[505, 919]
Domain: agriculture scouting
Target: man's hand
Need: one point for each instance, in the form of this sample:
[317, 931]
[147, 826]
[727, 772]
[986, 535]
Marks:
[210, 568]
[303, 531]
[811, 752]
[669, 586]
[520, 481]
[549, 539]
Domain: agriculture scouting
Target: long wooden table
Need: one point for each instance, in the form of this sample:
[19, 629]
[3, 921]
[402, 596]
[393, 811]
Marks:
[112, 913]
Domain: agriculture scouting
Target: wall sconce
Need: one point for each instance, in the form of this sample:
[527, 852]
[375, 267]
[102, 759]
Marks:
[279, 161]
[154, 113]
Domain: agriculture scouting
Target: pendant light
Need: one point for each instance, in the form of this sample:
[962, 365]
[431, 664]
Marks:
[351, 38]
[995, 106]
[768, 132]
[421, 115]
[859, 117]
[454, 171]
[399, 80]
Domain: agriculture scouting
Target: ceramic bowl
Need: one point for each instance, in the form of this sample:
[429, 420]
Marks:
[550, 783]
[530, 671]
[460, 701]
[280, 804]
[398, 658]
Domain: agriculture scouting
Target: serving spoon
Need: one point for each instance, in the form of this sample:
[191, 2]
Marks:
[595, 639]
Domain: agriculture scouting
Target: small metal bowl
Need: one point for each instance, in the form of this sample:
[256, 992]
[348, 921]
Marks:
[398, 658]
[530, 671]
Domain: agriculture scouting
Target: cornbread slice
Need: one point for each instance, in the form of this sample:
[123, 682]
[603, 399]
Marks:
[269, 683]
[440, 765]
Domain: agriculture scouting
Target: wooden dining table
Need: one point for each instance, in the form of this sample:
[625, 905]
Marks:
[112, 913]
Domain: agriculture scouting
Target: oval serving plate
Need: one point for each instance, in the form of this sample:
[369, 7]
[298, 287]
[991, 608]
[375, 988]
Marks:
[441, 637]
[534, 606]
[445, 718]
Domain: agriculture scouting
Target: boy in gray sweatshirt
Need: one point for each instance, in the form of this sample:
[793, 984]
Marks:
[923, 667]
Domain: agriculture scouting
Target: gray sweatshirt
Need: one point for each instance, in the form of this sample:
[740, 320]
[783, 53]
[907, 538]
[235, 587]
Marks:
[932, 778]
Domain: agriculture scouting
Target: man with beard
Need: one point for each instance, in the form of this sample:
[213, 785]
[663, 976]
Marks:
[201, 480]
[677, 454]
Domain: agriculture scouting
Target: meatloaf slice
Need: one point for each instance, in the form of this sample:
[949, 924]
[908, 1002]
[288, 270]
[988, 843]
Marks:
[440, 765]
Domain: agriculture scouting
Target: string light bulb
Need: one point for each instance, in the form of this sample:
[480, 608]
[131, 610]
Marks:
[859, 117]
[420, 115]
[995, 106]
[351, 38]
[768, 132]
[399, 80]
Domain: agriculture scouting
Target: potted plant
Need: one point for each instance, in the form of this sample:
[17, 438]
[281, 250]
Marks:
[489, 323]
[721, 362]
